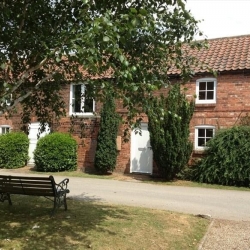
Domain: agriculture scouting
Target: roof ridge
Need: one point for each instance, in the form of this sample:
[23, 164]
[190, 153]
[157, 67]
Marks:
[224, 37]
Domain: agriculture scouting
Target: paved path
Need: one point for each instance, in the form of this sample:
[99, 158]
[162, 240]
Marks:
[220, 204]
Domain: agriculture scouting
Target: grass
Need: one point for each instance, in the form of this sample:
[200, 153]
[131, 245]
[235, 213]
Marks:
[139, 177]
[87, 225]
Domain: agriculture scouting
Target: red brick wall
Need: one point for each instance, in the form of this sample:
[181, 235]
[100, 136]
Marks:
[233, 101]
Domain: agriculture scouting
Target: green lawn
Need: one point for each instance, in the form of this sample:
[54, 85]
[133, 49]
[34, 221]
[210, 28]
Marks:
[27, 225]
[142, 178]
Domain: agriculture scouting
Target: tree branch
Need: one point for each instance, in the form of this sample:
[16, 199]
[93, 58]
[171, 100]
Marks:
[23, 97]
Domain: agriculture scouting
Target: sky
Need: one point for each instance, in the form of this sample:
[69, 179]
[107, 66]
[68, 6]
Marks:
[221, 18]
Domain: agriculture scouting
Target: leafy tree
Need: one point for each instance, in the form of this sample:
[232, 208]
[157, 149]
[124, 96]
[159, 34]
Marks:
[168, 125]
[45, 43]
[227, 158]
[106, 151]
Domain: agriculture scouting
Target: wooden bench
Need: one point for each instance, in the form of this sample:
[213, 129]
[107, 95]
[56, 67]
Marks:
[36, 186]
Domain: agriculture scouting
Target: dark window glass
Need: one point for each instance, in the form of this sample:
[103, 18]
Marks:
[76, 102]
[201, 142]
[210, 95]
[201, 132]
[209, 132]
[202, 95]
[202, 86]
[81, 102]
[210, 85]
[204, 135]
[88, 105]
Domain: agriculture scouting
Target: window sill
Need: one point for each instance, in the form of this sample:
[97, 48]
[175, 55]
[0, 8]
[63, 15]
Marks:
[199, 151]
[87, 115]
[202, 105]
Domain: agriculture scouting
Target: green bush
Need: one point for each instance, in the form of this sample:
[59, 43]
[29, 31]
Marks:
[168, 125]
[14, 150]
[56, 152]
[227, 159]
[106, 151]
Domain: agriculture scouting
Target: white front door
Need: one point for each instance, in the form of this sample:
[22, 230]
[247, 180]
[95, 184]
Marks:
[33, 138]
[141, 154]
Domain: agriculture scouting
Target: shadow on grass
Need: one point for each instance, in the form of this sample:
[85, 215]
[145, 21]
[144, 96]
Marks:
[27, 223]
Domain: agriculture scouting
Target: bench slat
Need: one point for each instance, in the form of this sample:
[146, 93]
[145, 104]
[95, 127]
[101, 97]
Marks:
[12, 177]
[31, 192]
[27, 184]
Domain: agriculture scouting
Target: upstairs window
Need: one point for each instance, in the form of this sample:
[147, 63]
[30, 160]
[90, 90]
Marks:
[4, 129]
[206, 90]
[80, 104]
[202, 135]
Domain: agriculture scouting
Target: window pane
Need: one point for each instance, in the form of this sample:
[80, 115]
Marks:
[76, 101]
[5, 130]
[201, 142]
[210, 95]
[201, 132]
[207, 139]
[210, 85]
[209, 133]
[202, 86]
[88, 105]
[202, 95]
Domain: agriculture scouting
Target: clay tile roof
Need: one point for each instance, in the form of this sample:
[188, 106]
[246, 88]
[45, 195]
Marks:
[223, 54]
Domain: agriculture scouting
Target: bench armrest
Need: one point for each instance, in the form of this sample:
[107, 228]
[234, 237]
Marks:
[62, 186]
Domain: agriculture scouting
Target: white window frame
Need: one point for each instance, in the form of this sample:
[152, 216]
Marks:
[209, 101]
[82, 113]
[197, 137]
[3, 129]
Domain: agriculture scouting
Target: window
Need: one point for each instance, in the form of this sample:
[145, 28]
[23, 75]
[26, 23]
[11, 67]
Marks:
[4, 129]
[80, 104]
[202, 135]
[206, 90]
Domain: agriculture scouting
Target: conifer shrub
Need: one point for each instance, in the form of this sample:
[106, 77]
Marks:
[227, 159]
[14, 150]
[169, 132]
[56, 152]
[106, 151]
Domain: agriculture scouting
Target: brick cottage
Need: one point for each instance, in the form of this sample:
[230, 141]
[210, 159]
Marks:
[221, 101]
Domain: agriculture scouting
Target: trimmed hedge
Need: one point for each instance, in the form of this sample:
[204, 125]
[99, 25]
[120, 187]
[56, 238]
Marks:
[56, 152]
[227, 161]
[14, 150]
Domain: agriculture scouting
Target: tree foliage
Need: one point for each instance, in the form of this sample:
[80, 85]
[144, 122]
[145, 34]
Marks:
[45, 43]
[169, 120]
[227, 159]
[106, 151]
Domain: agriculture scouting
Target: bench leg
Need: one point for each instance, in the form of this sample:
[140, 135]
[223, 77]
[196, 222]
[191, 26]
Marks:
[5, 196]
[59, 201]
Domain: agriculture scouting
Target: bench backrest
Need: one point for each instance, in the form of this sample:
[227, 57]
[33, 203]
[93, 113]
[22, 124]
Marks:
[38, 186]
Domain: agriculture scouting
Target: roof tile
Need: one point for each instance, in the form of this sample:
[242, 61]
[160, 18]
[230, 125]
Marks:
[223, 54]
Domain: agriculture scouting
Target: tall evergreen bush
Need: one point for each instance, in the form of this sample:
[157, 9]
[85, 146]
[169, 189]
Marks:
[169, 132]
[227, 160]
[14, 148]
[106, 151]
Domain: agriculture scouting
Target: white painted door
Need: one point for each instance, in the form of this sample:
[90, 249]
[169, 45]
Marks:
[141, 154]
[33, 132]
